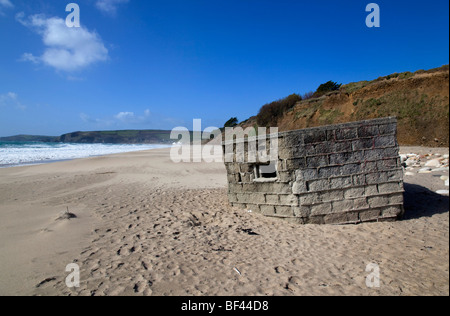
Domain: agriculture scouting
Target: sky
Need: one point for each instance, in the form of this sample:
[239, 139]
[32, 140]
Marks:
[143, 64]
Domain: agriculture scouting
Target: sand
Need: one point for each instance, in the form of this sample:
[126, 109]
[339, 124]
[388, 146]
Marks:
[147, 226]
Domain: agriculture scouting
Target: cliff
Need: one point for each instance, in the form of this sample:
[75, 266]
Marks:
[419, 100]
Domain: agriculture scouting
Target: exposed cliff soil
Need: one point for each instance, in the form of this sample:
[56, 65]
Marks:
[419, 100]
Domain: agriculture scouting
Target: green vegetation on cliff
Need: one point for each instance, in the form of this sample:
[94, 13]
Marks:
[419, 100]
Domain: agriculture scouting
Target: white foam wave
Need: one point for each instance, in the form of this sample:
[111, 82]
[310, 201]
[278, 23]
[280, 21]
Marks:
[15, 155]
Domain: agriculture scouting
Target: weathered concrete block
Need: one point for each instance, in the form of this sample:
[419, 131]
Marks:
[288, 199]
[247, 177]
[396, 199]
[246, 168]
[392, 212]
[317, 220]
[384, 141]
[232, 167]
[389, 187]
[282, 188]
[346, 133]
[282, 166]
[395, 175]
[232, 197]
[322, 148]
[306, 174]
[360, 203]
[267, 209]
[316, 136]
[299, 187]
[342, 206]
[363, 143]
[377, 201]
[375, 178]
[317, 161]
[253, 207]
[254, 198]
[388, 164]
[327, 172]
[293, 140]
[387, 129]
[284, 153]
[341, 218]
[284, 211]
[285, 176]
[353, 193]
[371, 190]
[262, 187]
[342, 146]
[370, 166]
[341, 182]
[334, 195]
[321, 209]
[318, 185]
[340, 174]
[331, 135]
[351, 169]
[359, 179]
[234, 188]
[369, 215]
[310, 150]
[296, 163]
[368, 131]
[374, 154]
[391, 152]
[309, 199]
[302, 211]
[232, 178]
[272, 199]
[295, 220]
[345, 158]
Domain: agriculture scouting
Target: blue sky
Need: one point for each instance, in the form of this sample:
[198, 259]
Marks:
[136, 64]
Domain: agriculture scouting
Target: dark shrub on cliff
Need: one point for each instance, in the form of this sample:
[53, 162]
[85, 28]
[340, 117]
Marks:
[270, 113]
[327, 87]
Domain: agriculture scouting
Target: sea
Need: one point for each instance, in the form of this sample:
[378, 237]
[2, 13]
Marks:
[14, 154]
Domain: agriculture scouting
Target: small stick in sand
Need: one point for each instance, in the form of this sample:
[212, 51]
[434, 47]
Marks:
[66, 215]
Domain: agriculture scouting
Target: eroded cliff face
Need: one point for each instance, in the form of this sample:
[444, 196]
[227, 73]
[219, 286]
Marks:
[419, 100]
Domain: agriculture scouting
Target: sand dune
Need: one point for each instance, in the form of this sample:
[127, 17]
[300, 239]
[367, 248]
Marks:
[147, 226]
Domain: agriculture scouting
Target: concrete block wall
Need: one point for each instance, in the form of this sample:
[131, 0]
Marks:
[340, 174]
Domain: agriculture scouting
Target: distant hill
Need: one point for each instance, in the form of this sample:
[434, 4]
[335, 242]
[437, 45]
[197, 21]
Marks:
[106, 137]
[30, 138]
[419, 100]
[119, 137]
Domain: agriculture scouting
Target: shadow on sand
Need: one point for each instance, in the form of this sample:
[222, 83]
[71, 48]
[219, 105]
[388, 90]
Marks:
[421, 202]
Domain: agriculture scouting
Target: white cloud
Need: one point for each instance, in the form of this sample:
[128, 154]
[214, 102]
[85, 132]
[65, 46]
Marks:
[67, 49]
[118, 120]
[11, 99]
[5, 4]
[131, 118]
[85, 118]
[29, 57]
[109, 6]
[124, 116]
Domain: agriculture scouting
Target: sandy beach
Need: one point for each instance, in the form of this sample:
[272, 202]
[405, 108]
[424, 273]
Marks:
[147, 226]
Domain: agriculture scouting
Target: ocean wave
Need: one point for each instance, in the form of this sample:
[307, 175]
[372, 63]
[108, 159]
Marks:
[16, 154]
